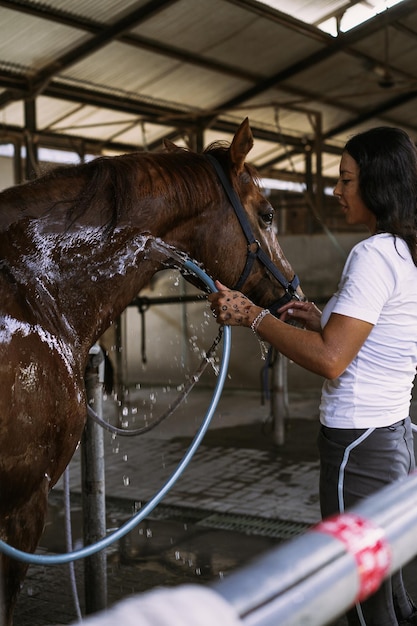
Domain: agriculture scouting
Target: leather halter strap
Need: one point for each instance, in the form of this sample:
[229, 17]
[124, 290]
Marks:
[254, 247]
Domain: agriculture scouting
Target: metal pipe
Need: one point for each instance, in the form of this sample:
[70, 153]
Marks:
[315, 578]
[146, 302]
[32, 157]
[279, 398]
[93, 490]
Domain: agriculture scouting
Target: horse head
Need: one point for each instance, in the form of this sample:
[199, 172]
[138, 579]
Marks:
[243, 251]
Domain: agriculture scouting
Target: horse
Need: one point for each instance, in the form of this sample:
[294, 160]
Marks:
[77, 245]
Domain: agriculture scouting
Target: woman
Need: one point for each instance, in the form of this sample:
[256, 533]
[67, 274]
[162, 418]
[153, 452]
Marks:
[364, 343]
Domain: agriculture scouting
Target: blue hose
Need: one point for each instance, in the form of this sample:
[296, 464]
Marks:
[56, 559]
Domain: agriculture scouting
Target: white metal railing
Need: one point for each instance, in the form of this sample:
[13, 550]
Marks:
[316, 577]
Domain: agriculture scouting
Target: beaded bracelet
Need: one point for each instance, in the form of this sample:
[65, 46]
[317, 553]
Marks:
[258, 319]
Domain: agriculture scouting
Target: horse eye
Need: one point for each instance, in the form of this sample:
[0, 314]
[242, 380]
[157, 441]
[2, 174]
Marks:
[268, 217]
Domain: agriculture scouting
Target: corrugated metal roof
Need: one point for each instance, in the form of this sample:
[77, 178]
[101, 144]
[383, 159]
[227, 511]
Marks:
[120, 75]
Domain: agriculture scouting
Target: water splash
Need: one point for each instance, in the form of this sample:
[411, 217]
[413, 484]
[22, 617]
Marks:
[9, 327]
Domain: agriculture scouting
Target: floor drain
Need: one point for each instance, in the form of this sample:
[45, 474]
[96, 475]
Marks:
[279, 529]
[234, 522]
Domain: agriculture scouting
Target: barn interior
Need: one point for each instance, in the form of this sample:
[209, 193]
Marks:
[80, 80]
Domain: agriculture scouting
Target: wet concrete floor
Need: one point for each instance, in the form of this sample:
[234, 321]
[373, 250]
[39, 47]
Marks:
[239, 496]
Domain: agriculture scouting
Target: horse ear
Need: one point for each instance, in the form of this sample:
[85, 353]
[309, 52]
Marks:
[242, 143]
[170, 146]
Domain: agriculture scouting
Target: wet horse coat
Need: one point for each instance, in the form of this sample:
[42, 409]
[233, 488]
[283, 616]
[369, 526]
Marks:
[77, 245]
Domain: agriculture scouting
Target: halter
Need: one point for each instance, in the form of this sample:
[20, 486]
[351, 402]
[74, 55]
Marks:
[254, 250]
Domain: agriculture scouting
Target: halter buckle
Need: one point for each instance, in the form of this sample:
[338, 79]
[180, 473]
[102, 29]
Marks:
[251, 245]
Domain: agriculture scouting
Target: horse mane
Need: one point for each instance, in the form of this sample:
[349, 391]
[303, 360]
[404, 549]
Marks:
[115, 185]
[119, 183]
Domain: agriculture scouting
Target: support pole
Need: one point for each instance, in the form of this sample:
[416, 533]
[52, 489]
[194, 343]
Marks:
[93, 487]
[17, 162]
[120, 370]
[279, 398]
[32, 158]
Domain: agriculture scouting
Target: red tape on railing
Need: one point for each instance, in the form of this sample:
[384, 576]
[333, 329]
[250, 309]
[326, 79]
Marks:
[366, 542]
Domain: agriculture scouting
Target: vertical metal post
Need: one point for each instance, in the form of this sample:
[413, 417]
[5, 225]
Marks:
[32, 160]
[17, 162]
[93, 487]
[120, 373]
[317, 124]
[279, 398]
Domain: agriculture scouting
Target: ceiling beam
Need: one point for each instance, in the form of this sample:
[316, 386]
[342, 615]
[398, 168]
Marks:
[374, 112]
[117, 31]
[335, 45]
[138, 41]
[47, 82]
[37, 83]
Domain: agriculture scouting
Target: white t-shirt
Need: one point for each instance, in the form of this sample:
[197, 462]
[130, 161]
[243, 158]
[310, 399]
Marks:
[378, 285]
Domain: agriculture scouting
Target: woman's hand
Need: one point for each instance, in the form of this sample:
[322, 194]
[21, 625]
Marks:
[305, 312]
[232, 307]
[326, 352]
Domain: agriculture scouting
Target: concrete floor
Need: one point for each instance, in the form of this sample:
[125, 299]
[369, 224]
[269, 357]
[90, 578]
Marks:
[239, 496]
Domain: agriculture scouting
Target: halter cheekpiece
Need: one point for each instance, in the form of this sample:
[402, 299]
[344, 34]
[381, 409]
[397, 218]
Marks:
[254, 250]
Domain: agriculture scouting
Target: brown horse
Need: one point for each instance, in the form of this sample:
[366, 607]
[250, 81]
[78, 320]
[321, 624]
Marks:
[77, 245]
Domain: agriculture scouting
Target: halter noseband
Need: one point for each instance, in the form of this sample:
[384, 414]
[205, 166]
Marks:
[254, 247]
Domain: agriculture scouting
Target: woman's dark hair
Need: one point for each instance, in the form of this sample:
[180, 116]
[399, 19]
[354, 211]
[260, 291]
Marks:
[387, 160]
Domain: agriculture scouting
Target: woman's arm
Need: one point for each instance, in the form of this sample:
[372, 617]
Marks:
[327, 352]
